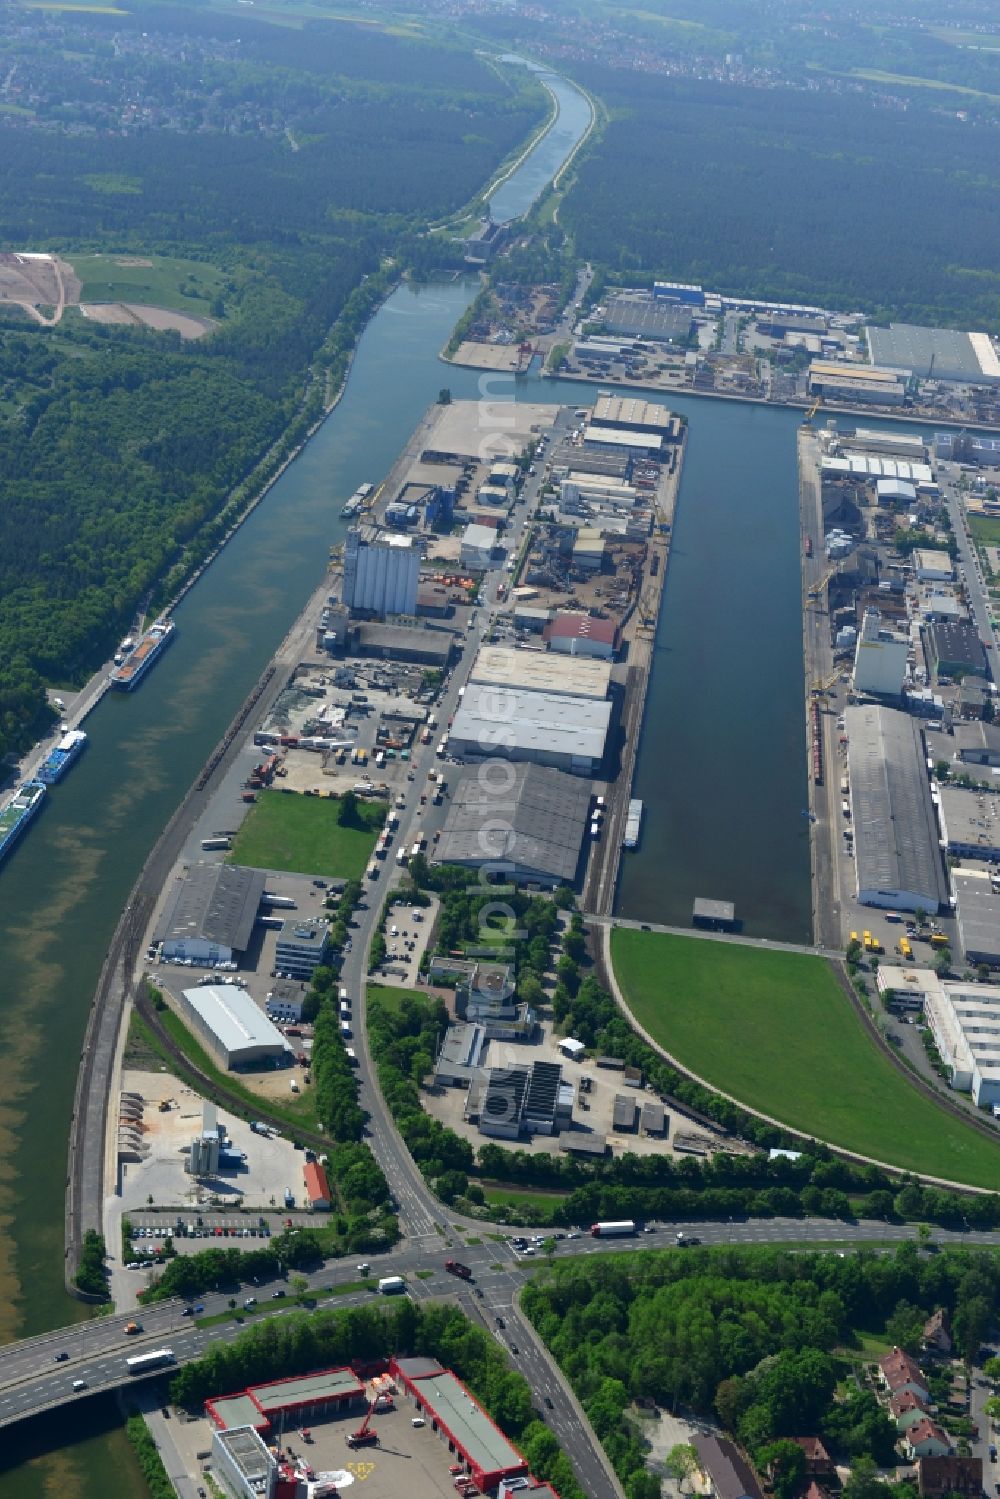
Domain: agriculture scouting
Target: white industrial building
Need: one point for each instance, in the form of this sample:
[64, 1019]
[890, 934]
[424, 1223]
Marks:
[566, 733]
[381, 571]
[897, 857]
[300, 949]
[932, 565]
[964, 1020]
[541, 671]
[236, 1032]
[243, 1463]
[879, 660]
[978, 915]
[478, 543]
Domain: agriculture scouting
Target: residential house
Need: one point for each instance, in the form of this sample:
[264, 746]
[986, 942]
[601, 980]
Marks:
[899, 1372]
[819, 1464]
[937, 1331]
[907, 1408]
[940, 1476]
[926, 1439]
[727, 1471]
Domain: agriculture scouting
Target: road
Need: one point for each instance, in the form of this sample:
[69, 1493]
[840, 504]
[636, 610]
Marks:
[972, 573]
[32, 1380]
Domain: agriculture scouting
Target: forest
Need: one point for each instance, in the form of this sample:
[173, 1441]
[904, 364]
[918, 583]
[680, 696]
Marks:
[119, 446]
[809, 198]
[761, 1339]
[280, 1347]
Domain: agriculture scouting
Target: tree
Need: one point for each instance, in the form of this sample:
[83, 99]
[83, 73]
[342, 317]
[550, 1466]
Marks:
[905, 1327]
[681, 1462]
[347, 812]
[786, 1462]
[991, 1369]
[992, 1407]
[864, 1482]
[970, 1325]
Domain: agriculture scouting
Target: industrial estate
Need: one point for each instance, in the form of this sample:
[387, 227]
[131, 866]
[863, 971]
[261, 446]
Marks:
[372, 1010]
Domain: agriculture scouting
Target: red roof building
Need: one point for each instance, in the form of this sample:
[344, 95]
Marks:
[458, 1417]
[938, 1476]
[926, 1439]
[583, 635]
[899, 1372]
[906, 1407]
[317, 1187]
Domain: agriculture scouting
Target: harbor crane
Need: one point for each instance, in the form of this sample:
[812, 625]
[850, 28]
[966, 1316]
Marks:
[807, 419]
[818, 588]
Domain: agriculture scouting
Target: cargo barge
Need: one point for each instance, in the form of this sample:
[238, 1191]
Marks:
[18, 812]
[69, 748]
[135, 666]
[356, 502]
[633, 824]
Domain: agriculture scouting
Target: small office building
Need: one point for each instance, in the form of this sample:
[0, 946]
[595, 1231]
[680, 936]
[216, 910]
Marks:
[300, 949]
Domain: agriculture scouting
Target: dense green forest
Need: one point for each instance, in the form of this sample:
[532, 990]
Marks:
[298, 1343]
[806, 197]
[760, 1338]
[118, 446]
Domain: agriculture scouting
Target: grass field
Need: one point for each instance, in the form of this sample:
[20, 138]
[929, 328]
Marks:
[776, 1031]
[391, 997]
[301, 834]
[155, 280]
[985, 530]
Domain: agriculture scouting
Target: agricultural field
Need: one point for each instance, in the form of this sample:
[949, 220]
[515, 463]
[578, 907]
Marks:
[303, 835]
[776, 1031]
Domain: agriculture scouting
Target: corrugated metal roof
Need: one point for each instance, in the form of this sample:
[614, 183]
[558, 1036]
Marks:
[895, 832]
[233, 1017]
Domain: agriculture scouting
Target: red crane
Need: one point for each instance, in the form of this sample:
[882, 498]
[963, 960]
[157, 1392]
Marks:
[366, 1433]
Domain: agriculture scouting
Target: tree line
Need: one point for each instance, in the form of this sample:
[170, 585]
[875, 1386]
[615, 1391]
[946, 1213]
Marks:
[759, 1338]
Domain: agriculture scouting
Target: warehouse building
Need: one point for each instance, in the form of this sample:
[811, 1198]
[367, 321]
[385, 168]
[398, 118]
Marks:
[857, 382]
[460, 1055]
[615, 440]
[679, 291]
[566, 733]
[541, 671]
[956, 649]
[978, 744]
[210, 914]
[381, 571]
[524, 1100]
[964, 1020]
[932, 566]
[630, 414]
[530, 827]
[583, 635]
[879, 660]
[970, 823]
[897, 857]
[936, 353]
[660, 321]
[423, 647]
[235, 1031]
[978, 915]
[460, 1420]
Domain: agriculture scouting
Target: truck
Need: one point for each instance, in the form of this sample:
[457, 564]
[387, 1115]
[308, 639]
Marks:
[390, 1285]
[613, 1229]
[457, 1268]
[131, 1328]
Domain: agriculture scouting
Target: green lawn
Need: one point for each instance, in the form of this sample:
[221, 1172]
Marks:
[985, 530]
[391, 997]
[302, 834]
[776, 1031]
[162, 281]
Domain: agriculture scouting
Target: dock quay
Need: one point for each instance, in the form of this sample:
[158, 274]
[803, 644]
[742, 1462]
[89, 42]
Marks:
[640, 632]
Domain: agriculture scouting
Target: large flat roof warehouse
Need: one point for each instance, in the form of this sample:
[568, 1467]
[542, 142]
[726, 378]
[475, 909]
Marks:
[542, 671]
[978, 915]
[641, 317]
[216, 903]
[643, 442]
[938, 353]
[896, 852]
[630, 411]
[487, 429]
[535, 823]
[569, 732]
[230, 1020]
